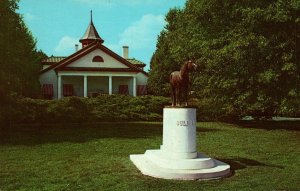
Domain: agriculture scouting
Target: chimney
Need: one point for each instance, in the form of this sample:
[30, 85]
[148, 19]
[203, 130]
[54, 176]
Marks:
[76, 47]
[125, 52]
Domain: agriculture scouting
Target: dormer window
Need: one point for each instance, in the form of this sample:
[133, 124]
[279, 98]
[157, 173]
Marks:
[98, 59]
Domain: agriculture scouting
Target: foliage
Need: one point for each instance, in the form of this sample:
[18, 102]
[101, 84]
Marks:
[76, 109]
[19, 59]
[70, 109]
[124, 108]
[247, 52]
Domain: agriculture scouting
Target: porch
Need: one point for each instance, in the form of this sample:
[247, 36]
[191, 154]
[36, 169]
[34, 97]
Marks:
[93, 85]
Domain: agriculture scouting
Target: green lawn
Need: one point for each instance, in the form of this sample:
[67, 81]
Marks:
[263, 156]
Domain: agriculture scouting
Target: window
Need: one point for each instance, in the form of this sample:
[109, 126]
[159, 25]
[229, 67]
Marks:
[68, 90]
[141, 90]
[47, 91]
[123, 89]
[98, 59]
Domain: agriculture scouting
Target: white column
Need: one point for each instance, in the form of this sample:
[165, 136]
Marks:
[110, 85]
[134, 86]
[85, 86]
[59, 87]
[179, 132]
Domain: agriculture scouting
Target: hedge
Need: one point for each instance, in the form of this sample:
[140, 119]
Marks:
[105, 109]
[78, 109]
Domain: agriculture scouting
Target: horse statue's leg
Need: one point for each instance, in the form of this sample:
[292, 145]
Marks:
[185, 95]
[173, 96]
[178, 96]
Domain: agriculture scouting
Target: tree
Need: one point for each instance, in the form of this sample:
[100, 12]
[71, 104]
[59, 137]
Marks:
[19, 59]
[248, 52]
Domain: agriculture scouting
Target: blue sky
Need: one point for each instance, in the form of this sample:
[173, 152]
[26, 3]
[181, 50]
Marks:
[57, 25]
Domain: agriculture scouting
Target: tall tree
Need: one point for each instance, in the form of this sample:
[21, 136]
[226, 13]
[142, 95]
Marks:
[19, 59]
[248, 51]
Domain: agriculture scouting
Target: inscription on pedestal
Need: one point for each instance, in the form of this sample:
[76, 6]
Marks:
[185, 123]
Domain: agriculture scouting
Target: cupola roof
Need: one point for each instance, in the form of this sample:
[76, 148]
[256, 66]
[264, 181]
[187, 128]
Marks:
[91, 33]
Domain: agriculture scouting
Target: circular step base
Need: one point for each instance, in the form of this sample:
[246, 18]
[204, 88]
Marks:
[161, 158]
[147, 167]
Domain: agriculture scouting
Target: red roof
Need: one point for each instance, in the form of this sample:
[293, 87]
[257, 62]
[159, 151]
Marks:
[53, 59]
[61, 65]
[91, 34]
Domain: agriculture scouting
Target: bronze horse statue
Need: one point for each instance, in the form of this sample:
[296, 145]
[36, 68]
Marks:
[179, 81]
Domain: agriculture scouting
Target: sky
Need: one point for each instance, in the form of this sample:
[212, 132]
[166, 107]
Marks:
[57, 25]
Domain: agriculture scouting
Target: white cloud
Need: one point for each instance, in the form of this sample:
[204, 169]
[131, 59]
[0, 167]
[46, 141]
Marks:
[143, 32]
[141, 37]
[66, 45]
[29, 17]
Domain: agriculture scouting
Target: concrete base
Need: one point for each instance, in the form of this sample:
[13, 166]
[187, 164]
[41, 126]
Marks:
[158, 169]
[178, 157]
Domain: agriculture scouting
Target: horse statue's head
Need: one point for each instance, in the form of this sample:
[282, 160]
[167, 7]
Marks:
[191, 66]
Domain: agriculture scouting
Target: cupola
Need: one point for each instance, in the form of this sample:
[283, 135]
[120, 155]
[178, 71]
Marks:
[91, 35]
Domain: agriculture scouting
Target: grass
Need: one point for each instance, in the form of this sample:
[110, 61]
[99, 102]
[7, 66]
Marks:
[263, 156]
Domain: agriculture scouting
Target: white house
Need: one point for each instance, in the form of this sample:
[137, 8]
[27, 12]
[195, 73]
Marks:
[93, 70]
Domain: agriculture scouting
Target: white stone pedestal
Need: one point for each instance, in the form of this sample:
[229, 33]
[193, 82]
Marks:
[178, 157]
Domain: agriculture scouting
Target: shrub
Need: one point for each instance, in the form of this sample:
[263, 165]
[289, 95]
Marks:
[115, 108]
[76, 109]
[119, 107]
[18, 109]
[209, 109]
[70, 109]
